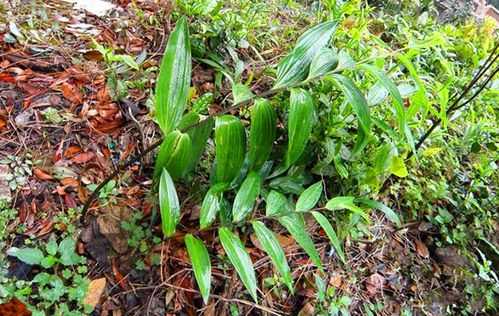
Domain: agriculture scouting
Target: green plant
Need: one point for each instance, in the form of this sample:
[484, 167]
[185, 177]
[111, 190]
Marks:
[250, 174]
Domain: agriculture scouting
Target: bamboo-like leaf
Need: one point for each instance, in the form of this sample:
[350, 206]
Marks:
[241, 93]
[211, 205]
[239, 258]
[360, 107]
[262, 133]
[174, 78]
[277, 204]
[201, 265]
[419, 99]
[295, 66]
[345, 202]
[199, 136]
[272, 247]
[300, 121]
[309, 198]
[398, 101]
[246, 196]
[175, 154]
[323, 62]
[296, 227]
[230, 143]
[168, 204]
[331, 234]
[389, 213]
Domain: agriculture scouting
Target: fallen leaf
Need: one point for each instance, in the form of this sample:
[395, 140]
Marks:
[83, 157]
[41, 174]
[110, 226]
[421, 249]
[71, 151]
[374, 284]
[307, 310]
[71, 93]
[14, 307]
[70, 182]
[94, 292]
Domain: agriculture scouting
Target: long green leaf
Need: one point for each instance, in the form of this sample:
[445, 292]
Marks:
[295, 66]
[309, 198]
[230, 143]
[211, 205]
[262, 133]
[345, 202]
[323, 62]
[239, 258]
[300, 121]
[333, 237]
[296, 227]
[174, 78]
[272, 247]
[199, 136]
[175, 154]
[168, 204]
[389, 213]
[420, 98]
[277, 204]
[398, 101]
[201, 264]
[246, 196]
[360, 107]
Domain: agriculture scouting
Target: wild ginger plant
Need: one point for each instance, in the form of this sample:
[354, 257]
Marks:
[242, 155]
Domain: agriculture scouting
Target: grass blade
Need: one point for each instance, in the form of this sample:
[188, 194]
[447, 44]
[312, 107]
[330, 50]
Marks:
[174, 78]
[345, 202]
[300, 120]
[272, 247]
[201, 264]
[262, 133]
[389, 213]
[331, 234]
[246, 196]
[239, 258]
[309, 198]
[230, 143]
[168, 204]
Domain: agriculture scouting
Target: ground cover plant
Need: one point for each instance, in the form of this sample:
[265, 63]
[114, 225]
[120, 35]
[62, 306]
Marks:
[248, 157]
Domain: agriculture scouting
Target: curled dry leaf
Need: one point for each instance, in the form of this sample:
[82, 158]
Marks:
[71, 93]
[374, 284]
[42, 174]
[421, 249]
[94, 292]
[71, 151]
[83, 157]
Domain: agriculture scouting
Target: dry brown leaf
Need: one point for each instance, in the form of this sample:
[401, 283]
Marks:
[94, 292]
[83, 157]
[72, 151]
[71, 93]
[70, 182]
[421, 249]
[41, 174]
[374, 284]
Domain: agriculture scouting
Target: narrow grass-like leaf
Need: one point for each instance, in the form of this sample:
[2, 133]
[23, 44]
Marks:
[246, 196]
[239, 258]
[360, 107]
[389, 213]
[296, 227]
[345, 202]
[300, 121]
[272, 247]
[398, 101]
[174, 78]
[211, 205]
[201, 265]
[175, 154]
[323, 62]
[168, 204]
[262, 133]
[309, 198]
[295, 66]
[277, 204]
[333, 237]
[230, 143]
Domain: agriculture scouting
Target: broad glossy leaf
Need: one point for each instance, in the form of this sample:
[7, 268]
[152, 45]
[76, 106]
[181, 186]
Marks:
[272, 247]
[389, 213]
[201, 264]
[168, 204]
[199, 137]
[230, 144]
[296, 227]
[398, 167]
[241, 93]
[295, 66]
[246, 196]
[239, 258]
[300, 121]
[398, 101]
[323, 62]
[277, 204]
[174, 78]
[262, 133]
[309, 198]
[331, 234]
[211, 205]
[345, 202]
[30, 256]
[175, 154]
[360, 107]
